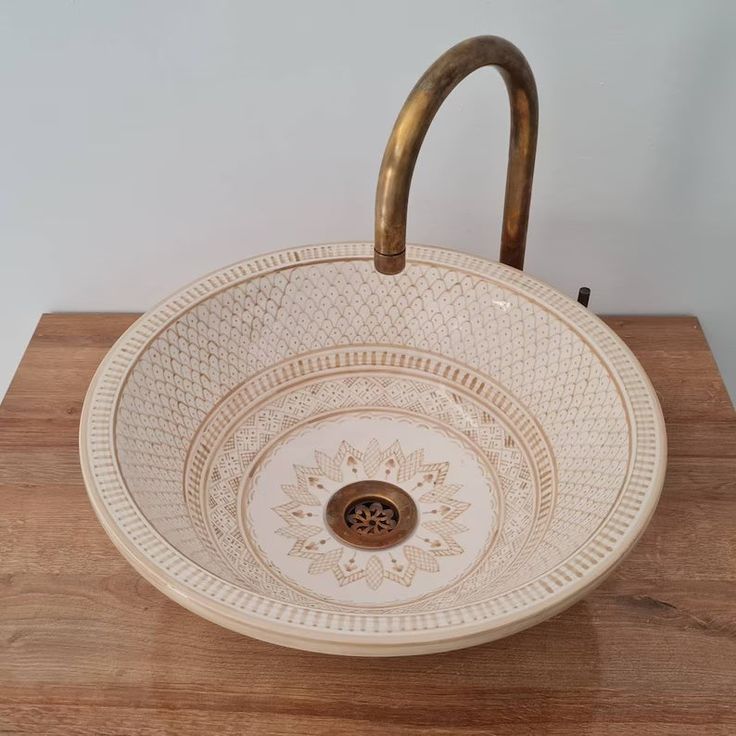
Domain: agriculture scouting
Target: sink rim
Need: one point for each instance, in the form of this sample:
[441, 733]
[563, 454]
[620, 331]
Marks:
[122, 356]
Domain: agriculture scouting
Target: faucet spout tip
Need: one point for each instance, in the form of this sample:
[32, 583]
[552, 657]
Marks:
[390, 265]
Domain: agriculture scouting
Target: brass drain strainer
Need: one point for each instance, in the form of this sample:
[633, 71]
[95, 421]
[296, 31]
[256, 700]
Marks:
[372, 514]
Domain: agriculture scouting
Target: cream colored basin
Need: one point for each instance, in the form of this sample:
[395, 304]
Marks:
[522, 434]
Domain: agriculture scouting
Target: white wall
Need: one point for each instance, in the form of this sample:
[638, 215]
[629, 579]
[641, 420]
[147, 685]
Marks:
[143, 144]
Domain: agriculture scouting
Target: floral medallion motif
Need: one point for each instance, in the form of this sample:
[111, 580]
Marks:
[289, 502]
[425, 482]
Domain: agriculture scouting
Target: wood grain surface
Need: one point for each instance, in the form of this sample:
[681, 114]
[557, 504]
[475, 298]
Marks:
[88, 647]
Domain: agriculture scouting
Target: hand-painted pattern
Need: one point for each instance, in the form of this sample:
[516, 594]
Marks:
[425, 482]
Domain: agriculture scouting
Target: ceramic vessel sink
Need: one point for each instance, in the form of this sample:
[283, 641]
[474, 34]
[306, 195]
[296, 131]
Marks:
[308, 452]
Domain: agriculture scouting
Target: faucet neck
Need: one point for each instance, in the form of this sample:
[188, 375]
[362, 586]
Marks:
[402, 149]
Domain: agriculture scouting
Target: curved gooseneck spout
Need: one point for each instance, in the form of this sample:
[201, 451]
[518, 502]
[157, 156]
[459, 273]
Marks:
[402, 149]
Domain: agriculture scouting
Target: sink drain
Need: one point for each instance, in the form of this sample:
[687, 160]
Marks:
[371, 514]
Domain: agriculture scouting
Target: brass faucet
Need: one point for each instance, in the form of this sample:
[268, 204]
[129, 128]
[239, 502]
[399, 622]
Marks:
[402, 149]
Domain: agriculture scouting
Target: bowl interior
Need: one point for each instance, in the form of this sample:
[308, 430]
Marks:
[491, 404]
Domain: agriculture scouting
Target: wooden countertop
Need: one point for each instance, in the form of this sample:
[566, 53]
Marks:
[88, 647]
